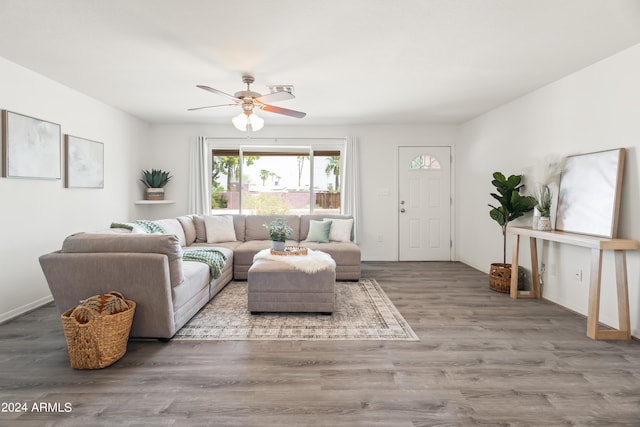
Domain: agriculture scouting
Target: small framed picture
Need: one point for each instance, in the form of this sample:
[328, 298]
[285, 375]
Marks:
[84, 163]
[30, 147]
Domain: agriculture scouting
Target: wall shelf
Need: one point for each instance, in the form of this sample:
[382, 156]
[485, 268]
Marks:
[154, 202]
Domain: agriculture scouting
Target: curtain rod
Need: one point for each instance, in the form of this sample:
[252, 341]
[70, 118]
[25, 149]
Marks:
[273, 139]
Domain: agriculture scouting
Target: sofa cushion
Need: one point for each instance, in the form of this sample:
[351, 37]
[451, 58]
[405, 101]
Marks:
[189, 228]
[201, 231]
[231, 246]
[340, 229]
[319, 231]
[239, 222]
[196, 278]
[166, 244]
[305, 219]
[219, 228]
[342, 253]
[172, 226]
[255, 226]
[244, 253]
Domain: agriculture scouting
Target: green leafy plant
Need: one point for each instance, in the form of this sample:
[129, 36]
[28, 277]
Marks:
[155, 178]
[279, 231]
[512, 204]
[543, 202]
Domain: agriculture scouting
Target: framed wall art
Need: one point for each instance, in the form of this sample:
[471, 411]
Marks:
[589, 196]
[30, 147]
[84, 163]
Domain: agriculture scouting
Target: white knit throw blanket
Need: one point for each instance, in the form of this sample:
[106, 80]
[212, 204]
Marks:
[311, 263]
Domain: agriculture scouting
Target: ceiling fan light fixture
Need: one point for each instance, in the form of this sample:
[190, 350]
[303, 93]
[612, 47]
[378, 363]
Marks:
[248, 120]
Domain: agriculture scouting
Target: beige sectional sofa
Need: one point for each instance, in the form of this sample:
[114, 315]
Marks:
[149, 268]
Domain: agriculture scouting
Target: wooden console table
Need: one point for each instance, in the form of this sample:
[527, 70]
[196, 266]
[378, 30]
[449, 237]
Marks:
[597, 245]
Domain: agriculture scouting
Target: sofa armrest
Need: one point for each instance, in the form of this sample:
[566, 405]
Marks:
[141, 277]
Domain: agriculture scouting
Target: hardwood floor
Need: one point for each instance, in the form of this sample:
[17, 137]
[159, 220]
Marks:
[482, 359]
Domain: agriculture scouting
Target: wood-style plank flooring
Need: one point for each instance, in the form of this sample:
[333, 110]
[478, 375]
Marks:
[482, 359]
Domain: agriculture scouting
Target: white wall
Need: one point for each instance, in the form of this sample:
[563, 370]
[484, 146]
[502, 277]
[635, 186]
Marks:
[597, 108]
[36, 215]
[167, 148]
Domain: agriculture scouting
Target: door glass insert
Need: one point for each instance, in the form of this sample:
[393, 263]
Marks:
[424, 161]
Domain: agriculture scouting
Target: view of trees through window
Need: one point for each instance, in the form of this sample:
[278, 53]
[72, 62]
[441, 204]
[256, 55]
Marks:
[275, 182]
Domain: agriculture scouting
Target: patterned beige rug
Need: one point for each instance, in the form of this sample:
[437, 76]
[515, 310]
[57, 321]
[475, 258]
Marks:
[363, 312]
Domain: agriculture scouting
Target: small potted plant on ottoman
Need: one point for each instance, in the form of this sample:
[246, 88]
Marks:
[279, 232]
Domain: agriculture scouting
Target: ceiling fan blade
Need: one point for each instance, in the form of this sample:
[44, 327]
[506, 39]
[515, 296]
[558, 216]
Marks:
[211, 106]
[281, 95]
[216, 91]
[285, 111]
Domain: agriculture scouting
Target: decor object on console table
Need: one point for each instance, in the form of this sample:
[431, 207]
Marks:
[154, 180]
[546, 174]
[543, 206]
[512, 206]
[279, 232]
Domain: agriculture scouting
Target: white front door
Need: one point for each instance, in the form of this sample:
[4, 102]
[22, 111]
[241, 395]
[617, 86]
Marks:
[424, 178]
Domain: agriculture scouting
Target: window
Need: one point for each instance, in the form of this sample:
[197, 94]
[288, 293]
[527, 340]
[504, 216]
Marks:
[424, 161]
[275, 180]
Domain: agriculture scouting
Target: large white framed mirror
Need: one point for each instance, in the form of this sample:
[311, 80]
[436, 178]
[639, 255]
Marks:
[589, 195]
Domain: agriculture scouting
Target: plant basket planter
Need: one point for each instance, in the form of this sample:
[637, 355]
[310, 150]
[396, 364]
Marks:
[101, 341]
[500, 277]
[154, 193]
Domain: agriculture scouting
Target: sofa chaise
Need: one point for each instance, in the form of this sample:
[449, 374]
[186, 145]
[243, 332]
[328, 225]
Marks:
[169, 290]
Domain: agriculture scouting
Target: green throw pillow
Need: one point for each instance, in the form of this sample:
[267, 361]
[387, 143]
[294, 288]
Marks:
[319, 231]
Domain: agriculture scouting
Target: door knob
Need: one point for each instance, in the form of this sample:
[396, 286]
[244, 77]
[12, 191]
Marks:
[402, 210]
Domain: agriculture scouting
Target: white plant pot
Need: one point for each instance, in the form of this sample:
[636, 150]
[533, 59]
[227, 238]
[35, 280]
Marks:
[278, 246]
[544, 223]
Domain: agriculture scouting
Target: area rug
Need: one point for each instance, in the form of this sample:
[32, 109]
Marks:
[363, 312]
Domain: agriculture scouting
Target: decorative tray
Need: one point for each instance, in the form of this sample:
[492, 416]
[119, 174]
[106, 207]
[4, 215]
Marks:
[290, 250]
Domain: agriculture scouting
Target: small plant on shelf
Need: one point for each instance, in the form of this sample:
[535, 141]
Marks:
[155, 180]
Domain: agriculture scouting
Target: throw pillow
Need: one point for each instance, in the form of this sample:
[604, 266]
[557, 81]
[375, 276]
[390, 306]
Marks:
[219, 228]
[319, 231]
[340, 229]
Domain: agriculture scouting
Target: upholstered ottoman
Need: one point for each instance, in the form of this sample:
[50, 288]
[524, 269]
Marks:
[276, 286]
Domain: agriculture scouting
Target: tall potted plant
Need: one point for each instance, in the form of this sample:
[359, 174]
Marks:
[154, 180]
[512, 205]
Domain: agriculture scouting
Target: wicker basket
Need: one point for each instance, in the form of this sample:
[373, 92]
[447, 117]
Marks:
[101, 341]
[500, 277]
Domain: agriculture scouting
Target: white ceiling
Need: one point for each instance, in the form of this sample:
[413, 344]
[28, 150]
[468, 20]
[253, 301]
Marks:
[351, 61]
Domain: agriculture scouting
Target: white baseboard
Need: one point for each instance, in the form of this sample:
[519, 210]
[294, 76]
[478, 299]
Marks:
[12, 314]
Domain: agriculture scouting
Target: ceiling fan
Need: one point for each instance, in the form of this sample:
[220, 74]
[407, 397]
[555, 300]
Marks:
[250, 100]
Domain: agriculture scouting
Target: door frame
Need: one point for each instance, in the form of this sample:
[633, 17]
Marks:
[452, 224]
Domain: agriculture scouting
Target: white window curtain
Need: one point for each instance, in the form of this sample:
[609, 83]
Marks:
[350, 196]
[199, 192]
